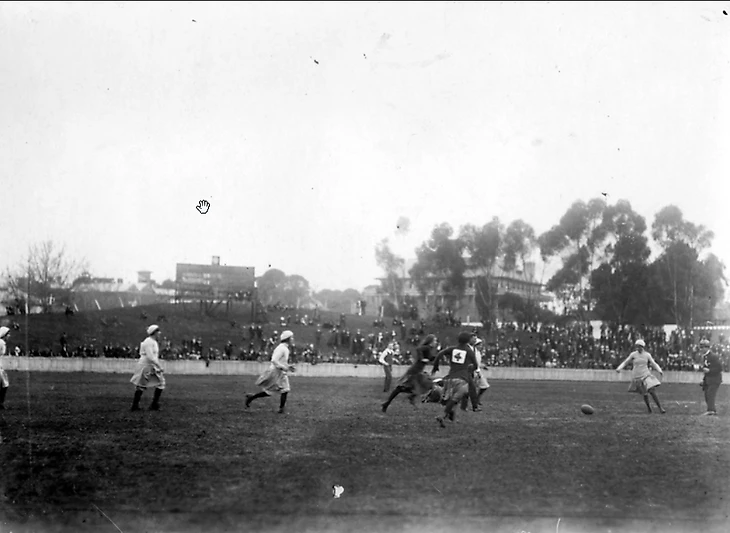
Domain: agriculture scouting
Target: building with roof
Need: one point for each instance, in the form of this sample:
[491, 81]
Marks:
[520, 282]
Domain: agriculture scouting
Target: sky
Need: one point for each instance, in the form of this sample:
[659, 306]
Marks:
[312, 128]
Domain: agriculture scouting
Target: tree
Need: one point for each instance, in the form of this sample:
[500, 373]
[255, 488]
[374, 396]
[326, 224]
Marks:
[621, 284]
[690, 288]
[47, 269]
[275, 287]
[269, 286]
[577, 236]
[336, 300]
[519, 243]
[521, 310]
[392, 266]
[670, 227]
[440, 265]
[679, 269]
[167, 284]
[624, 294]
[294, 290]
[484, 247]
[710, 283]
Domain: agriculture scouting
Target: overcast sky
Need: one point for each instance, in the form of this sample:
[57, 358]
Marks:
[312, 128]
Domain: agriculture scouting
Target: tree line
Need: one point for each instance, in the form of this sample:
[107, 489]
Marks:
[604, 262]
[276, 288]
[602, 251]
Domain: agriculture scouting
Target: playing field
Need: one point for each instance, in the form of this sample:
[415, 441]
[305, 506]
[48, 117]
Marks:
[74, 458]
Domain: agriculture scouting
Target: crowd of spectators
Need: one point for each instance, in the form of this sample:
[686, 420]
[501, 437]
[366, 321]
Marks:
[509, 344]
[576, 346]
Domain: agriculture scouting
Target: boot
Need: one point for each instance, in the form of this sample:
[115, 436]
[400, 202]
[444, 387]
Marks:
[137, 398]
[155, 405]
[3, 392]
[252, 397]
[479, 396]
[384, 406]
[282, 402]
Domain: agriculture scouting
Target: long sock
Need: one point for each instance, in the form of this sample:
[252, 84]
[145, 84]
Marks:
[3, 392]
[392, 396]
[257, 395]
[155, 405]
[479, 396]
[282, 401]
[646, 401]
[464, 403]
[473, 395]
[656, 399]
[449, 410]
[137, 398]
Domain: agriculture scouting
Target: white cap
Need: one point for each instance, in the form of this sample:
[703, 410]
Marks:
[640, 342]
[286, 335]
[4, 331]
[152, 329]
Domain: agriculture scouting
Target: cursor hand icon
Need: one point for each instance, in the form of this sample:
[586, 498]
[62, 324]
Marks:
[203, 207]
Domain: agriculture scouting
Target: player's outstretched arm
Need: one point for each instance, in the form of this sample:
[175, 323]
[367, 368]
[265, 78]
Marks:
[437, 360]
[622, 365]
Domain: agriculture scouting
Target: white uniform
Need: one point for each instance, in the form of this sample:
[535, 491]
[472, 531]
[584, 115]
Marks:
[149, 373]
[4, 382]
[481, 380]
[642, 380]
[386, 357]
[275, 379]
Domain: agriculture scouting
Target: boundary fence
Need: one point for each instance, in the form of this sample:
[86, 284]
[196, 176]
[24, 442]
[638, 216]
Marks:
[252, 368]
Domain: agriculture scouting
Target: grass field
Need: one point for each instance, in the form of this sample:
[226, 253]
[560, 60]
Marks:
[74, 458]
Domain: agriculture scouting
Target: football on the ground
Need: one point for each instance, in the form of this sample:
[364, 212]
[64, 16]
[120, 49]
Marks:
[587, 409]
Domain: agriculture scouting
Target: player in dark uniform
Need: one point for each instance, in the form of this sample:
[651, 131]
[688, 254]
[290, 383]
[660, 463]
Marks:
[712, 367]
[462, 362]
[415, 382]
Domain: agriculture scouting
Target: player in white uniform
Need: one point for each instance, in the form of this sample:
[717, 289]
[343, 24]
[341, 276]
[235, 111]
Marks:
[4, 382]
[149, 373]
[275, 379]
[642, 380]
[479, 377]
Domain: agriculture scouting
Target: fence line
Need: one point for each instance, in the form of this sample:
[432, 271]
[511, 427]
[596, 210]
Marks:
[252, 368]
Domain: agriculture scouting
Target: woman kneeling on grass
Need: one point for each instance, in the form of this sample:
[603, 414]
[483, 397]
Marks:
[275, 378]
[643, 381]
